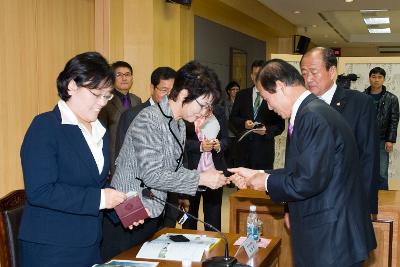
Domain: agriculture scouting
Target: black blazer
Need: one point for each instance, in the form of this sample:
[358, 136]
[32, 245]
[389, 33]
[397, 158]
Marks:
[192, 146]
[359, 111]
[125, 121]
[254, 146]
[330, 222]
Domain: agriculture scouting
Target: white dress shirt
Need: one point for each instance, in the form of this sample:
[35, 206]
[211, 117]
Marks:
[327, 97]
[94, 139]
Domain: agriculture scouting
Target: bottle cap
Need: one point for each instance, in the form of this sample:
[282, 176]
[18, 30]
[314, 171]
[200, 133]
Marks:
[253, 208]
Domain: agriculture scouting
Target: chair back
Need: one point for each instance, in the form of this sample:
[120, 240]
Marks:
[11, 208]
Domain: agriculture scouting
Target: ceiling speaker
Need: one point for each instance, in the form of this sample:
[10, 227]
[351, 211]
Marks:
[300, 44]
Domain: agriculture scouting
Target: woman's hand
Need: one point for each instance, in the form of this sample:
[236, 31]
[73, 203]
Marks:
[206, 145]
[216, 145]
[113, 198]
[139, 222]
[213, 179]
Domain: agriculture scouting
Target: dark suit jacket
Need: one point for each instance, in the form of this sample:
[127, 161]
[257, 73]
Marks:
[330, 223]
[109, 116]
[125, 121]
[359, 111]
[192, 146]
[62, 184]
[255, 151]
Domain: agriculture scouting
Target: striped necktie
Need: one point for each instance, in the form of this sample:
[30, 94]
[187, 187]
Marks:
[257, 104]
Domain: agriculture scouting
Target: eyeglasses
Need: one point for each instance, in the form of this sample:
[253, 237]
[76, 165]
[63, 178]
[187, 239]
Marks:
[101, 96]
[163, 90]
[126, 75]
[205, 107]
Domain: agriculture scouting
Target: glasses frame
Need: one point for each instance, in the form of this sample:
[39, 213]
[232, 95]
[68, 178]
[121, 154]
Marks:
[207, 108]
[126, 75]
[101, 96]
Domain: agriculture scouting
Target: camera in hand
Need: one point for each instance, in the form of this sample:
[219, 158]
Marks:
[258, 125]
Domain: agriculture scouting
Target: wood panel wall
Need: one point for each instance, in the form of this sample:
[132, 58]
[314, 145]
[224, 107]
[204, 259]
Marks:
[38, 37]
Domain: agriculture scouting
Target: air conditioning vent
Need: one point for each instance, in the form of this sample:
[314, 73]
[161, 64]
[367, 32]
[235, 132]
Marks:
[389, 49]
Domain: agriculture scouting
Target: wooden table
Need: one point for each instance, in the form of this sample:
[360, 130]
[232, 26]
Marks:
[387, 227]
[268, 256]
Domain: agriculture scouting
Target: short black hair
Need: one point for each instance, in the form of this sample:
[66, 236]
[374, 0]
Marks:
[121, 64]
[258, 63]
[198, 80]
[89, 69]
[230, 85]
[378, 70]
[162, 73]
[328, 56]
[279, 70]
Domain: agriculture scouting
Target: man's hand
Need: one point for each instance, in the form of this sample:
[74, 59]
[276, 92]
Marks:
[238, 180]
[139, 222]
[257, 181]
[261, 131]
[248, 124]
[244, 172]
[388, 147]
[113, 198]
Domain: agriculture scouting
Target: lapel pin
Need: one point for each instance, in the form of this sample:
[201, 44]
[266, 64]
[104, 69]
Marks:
[338, 104]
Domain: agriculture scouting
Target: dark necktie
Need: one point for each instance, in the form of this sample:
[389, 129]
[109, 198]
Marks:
[125, 101]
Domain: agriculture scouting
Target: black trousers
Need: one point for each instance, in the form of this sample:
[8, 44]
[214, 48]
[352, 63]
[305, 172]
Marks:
[117, 239]
[212, 201]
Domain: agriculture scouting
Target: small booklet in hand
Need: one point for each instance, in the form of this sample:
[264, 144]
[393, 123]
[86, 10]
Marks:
[131, 210]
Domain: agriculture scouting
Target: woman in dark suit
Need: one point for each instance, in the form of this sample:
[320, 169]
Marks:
[65, 163]
[195, 148]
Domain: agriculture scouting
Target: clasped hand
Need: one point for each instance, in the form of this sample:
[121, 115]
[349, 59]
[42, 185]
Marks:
[245, 178]
[208, 145]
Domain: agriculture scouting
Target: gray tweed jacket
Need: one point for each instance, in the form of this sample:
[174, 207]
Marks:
[150, 152]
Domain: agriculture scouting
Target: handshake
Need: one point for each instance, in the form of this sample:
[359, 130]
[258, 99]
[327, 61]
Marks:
[245, 178]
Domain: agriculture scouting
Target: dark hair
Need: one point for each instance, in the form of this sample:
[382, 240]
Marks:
[278, 70]
[121, 64]
[162, 73]
[258, 63]
[89, 69]
[378, 70]
[328, 56]
[198, 80]
[230, 85]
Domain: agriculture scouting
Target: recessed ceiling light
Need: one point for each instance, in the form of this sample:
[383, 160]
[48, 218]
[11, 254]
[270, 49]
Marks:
[314, 25]
[334, 42]
[373, 10]
[348, 1]
[296, 12]
[385, 30]
[375, 21]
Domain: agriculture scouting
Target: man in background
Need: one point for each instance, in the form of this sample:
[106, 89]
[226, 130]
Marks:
[162, 81]
[387, 114]
[121, 101]
[319, 70]
[256, 150]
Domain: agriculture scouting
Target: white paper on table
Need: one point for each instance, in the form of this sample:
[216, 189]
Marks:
[210, 128]
[171, 251]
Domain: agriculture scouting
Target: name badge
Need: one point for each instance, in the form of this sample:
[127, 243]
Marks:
[250, 246]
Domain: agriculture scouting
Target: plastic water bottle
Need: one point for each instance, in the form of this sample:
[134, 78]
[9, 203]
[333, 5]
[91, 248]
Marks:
[252, 223]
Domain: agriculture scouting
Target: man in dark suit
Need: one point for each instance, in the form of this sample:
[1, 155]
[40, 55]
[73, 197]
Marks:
[318, 67]
[122, 100]
[162, 81]
[329, 217]
[257, 150]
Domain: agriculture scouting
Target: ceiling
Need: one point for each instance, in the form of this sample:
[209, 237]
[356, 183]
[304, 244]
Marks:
[335, 23]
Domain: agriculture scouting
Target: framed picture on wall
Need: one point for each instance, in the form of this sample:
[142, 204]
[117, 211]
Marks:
[238, 66]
